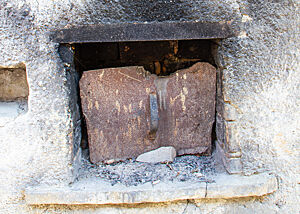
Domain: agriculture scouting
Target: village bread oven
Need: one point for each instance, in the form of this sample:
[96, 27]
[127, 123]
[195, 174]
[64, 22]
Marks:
[146, 86]
[88, 88]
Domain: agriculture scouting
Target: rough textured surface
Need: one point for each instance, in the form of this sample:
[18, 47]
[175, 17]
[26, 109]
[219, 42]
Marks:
[162, 154]
[9, 111]
[97, 192]
[187, 109]
[143, 32]
[132, 173]
[259, 69]
[117, 105]
[13, 84]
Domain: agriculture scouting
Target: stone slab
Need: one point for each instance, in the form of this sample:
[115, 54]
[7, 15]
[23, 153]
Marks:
[155, 31]
[13, 84]
[231, 161]
[236, 186]
[99, 192]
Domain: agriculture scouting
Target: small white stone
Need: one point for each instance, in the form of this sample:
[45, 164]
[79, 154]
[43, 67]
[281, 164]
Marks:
[111, 161]
[155, 182]
[162, 154]
[198, 174]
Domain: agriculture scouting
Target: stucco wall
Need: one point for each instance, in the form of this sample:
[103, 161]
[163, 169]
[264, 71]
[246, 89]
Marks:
[261, 80]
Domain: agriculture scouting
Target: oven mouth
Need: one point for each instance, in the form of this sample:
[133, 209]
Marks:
[160, 58]
[153, 48]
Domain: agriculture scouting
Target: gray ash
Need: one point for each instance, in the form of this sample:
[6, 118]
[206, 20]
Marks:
[132, 173]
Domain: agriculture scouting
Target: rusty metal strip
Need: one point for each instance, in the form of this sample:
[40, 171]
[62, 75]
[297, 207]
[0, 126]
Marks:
[156, 31]
[153, 114]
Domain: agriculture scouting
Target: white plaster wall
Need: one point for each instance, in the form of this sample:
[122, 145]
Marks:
[261, 78]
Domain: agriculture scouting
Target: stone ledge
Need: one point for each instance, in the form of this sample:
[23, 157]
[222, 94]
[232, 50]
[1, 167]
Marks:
[9, 111]
[237, 186]
[152, 31]
[95, 191]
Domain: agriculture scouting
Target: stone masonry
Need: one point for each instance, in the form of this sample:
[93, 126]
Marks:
[258, 98]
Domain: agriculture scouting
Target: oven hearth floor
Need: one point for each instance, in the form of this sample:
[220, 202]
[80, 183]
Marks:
[130, 182]
[131, 173]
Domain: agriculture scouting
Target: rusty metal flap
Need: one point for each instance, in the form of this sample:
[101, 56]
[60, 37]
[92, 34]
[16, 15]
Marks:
[129, 111]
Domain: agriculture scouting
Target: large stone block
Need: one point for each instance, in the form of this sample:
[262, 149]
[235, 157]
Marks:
[232, 137]
[130, 111]
[13, 84]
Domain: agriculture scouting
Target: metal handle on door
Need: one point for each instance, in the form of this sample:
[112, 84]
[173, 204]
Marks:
[153, 115]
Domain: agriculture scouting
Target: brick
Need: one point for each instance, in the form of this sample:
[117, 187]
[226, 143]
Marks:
[230, 113]
[232, 137]
[13, 84]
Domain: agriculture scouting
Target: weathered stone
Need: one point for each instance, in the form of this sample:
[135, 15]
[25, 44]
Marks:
[13, 84]
[231, 161]
[162, 154]
[262, 71]
[117, 104]
[220, 128]
[99, 192]
[234, 186]
[230, 113]
[231, 137]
